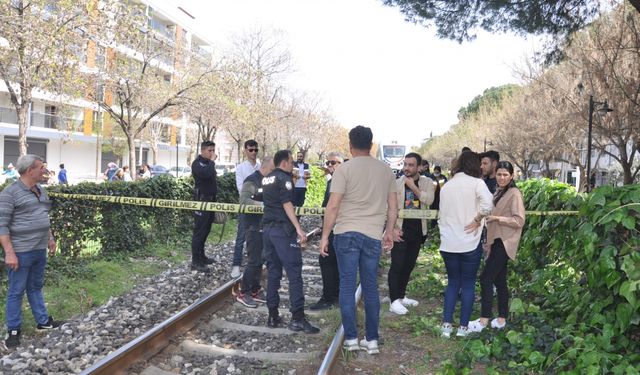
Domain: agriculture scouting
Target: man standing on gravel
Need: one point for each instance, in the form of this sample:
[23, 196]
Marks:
[203, 170]
[251, 195]
[25, 235]
[243, 170]
[363, 195]
[281, 230]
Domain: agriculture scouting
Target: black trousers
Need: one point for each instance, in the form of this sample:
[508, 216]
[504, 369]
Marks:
[202, 221]
[403, 260]
[283, 252]
[253, 270]
[495, 273]
[299, 195]
[330, 274]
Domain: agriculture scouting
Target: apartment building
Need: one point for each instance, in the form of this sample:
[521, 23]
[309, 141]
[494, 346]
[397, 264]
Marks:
[75, 134]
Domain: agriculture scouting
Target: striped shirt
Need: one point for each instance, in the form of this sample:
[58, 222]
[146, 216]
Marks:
[25, 217]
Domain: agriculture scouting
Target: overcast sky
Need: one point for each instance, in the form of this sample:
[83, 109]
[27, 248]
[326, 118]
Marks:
[368, 64]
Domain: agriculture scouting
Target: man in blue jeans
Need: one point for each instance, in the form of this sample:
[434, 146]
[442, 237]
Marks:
[363, 196]
[25, 235]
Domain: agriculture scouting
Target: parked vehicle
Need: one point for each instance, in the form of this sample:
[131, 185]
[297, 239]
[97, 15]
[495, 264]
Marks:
[223, 168]
[182, 171]
[158, 170]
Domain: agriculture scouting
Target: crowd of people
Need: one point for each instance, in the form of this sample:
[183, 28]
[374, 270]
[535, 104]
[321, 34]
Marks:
[481, 212]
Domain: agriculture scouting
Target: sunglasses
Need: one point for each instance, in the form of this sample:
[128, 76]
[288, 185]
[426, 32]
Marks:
[253, 149]
[331, 162]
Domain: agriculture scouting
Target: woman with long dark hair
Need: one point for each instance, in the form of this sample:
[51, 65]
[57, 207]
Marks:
[504, 228]
[464, 201]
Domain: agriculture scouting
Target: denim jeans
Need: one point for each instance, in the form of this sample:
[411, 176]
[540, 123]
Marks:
[253, 270]
[28, 277]
[355, 251]
[462, 272]
[240, 238]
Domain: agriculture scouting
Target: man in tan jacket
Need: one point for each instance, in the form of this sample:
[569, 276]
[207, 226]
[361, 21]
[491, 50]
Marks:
[415, 192]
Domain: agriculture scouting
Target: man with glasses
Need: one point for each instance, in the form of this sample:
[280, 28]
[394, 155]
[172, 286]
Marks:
[329, 263]
[25, 236]
[243, 170]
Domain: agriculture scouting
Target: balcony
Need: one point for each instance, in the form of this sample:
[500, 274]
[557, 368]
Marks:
[8, 115]
[166, 31]
[202, 55]
[51, 121]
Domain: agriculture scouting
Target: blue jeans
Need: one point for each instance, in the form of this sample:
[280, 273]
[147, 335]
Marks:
[462, 272]
[240, 238]
[355, 251]
[28, 277]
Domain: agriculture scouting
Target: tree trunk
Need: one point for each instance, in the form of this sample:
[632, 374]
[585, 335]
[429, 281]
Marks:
[22, 113]
[154, 151]
[132, 156]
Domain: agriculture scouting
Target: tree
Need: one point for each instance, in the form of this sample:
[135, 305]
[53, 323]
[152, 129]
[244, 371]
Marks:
[460, 20]
[140, 81]
[43, 46]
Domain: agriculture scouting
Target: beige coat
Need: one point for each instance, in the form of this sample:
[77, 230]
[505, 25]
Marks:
[508, 227]
[427, 188]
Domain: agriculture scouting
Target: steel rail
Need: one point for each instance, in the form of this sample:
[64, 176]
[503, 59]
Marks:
[335, 348]
[157, 338]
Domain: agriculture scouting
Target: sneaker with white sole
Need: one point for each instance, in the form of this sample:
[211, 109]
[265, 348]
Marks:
[446, 330]
[397, 308]
[370, 346]
[409, 302]
[462, 331]
[247, 300]
[235, 272]
[476, 326]
[351, 345]
[497, 325]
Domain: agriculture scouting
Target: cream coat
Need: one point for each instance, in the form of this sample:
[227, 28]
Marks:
[427, 188]
[508, 227]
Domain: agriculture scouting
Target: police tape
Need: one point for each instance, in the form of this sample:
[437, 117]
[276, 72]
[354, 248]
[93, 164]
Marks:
[249, 209]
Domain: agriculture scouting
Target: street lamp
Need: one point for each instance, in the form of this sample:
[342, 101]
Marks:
[603, 109]
[487, 143]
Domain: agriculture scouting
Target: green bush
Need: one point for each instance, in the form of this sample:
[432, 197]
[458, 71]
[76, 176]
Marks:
[316, 186]
[117, 228]
[575, 287]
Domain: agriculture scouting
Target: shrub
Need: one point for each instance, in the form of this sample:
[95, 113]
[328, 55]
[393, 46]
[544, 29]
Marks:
[316, 185]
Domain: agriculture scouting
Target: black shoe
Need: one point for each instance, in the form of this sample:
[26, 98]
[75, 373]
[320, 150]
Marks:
[322, 304]
[259, 296]
[303, 325]
[199, 267]
[208, 260]
[12, 340]
[50, 324]
[274, 321]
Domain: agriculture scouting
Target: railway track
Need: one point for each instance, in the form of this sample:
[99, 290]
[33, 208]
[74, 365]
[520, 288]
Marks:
[217, 335]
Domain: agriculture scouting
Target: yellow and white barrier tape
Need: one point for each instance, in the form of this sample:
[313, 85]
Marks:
[250, 209]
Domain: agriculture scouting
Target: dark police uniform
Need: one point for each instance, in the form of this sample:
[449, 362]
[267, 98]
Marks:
[280, 243]
[253, 225]
[205, 189]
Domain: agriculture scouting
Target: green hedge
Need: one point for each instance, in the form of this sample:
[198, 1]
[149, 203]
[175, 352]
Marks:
[125, 228]
[575, 288]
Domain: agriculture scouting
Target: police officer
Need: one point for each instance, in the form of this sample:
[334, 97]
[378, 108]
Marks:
[282, 232]
[203, 170]
[251, 195]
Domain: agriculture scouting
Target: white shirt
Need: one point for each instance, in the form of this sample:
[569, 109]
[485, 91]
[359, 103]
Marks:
[461, 199]
[301, 182]
[244, 170]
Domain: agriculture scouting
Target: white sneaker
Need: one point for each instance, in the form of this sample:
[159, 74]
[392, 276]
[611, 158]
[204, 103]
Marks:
[496, 324]
[476, 326]
[462, 331]
[397, 308]
[409, 302]
[446, 329]
[351, 345]
[235, 271]
[370, 346]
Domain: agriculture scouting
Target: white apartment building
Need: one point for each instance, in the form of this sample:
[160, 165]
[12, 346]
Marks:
[76, 136]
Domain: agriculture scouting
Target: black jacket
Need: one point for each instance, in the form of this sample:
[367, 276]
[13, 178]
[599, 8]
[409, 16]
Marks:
[204, 174]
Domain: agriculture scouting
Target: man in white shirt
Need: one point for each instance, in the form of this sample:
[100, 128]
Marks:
[302, 172]
[243, 170]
